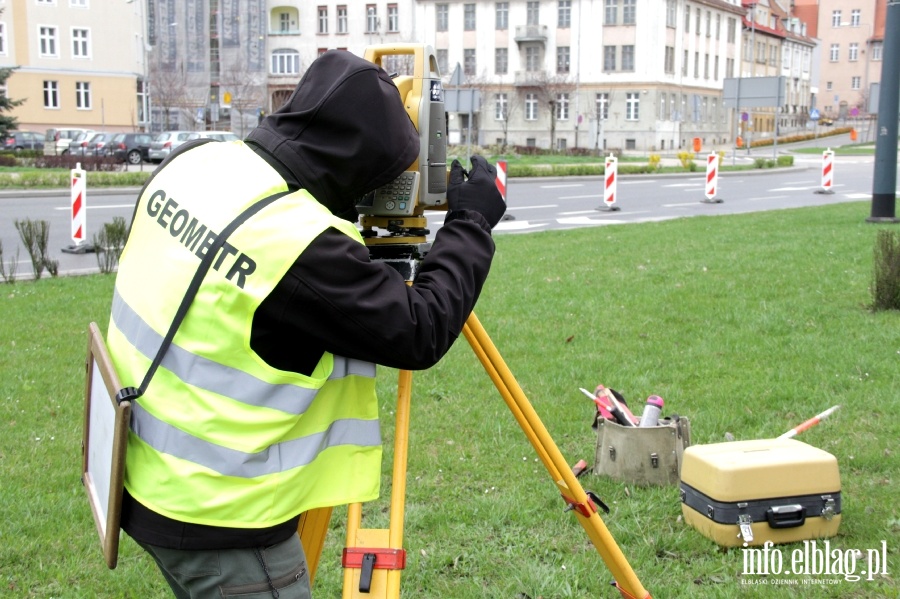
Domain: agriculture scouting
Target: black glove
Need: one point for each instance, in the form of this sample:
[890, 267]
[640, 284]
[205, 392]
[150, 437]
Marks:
[476, 190]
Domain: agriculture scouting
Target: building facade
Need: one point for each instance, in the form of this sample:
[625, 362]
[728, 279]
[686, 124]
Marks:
[642, 75]
[79, 63]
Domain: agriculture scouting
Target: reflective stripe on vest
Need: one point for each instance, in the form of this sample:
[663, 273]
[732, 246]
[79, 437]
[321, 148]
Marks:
[199, 372]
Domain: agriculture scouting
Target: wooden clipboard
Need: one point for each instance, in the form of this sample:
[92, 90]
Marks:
[106, 423]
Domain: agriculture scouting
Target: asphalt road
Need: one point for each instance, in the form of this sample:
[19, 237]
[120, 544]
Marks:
[534, 204]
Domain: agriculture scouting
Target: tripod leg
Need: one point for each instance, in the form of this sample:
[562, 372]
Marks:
[312, 528]
[374, 558]
[554, 462]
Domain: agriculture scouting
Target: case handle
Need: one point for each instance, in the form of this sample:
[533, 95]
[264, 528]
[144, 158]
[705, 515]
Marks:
[786, 516]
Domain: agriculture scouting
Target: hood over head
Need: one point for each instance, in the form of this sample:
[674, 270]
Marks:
[343, 132]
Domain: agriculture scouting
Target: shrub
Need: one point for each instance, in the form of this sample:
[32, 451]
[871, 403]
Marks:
[785, 161]
[687, 160]
[886, 279]
[653, 161]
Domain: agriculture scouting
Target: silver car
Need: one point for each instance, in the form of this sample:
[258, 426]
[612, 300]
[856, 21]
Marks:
[163, 144]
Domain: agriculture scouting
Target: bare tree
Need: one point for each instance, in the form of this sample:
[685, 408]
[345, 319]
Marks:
[247, 88]
[549, 89]
[499, 100]
[169, 89]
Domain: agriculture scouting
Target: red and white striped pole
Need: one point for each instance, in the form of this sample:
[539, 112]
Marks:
[78, 211]
[610, 178]
[712, 178]
[827, 171]
[501, 178]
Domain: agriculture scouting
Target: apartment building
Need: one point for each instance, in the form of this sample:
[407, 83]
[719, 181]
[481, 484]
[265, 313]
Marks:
[79, 63]
[852, 38]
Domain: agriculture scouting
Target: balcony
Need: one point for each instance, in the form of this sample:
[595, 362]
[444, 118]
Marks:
[530, 78]
[531, 33]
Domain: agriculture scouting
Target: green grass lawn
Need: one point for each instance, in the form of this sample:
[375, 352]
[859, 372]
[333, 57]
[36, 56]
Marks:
[747, 324]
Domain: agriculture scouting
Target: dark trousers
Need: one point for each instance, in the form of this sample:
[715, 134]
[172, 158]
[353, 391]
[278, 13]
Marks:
[277, 571]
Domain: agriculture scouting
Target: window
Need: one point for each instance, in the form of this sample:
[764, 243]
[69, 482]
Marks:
[828, 86]
[853, 52]
[632, 106]
[469, 17]
[80, 46]
[716, 69]
[729, 67]
[284, 22]
[441, 17]
[834, 53]
[285, 61]
[78, 3]
[684, 65]
[83, 95]
[501, 16]
[531, 105]
[628, 12]
[671, 13]
[532, 59]
[697, 65]
[501, 61]
[532, 13]
[371, 18]
[706, 66]
[51, 94]
[627, 58]
[877, 48]
[609, 58]
[323, 19]
[610, 16]
[773, 55]
[854, 82]
[670, 60]
[601, 104]
[663, 105]
[835, 18]
[708, 24]
[855, 15]
[699, 14]
[562, 107]
[564, 17]
[342, 19]
[732, 28]
[2, 37]
[47, 42]
[718, 26]
[469, 62]
[501, 107]
[687, 18]
[442, 60]
[393, 18]
[562, 59]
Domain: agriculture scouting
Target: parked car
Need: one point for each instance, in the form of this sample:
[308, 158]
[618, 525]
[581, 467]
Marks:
[163, 144]
[217, 135]
[825, 121]
[97, 145]
[78, 146]
[132, 148]
[56, 141]
[23, 140]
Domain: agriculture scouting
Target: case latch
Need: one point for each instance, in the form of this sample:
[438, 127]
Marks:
[828, 512]
[744, 521]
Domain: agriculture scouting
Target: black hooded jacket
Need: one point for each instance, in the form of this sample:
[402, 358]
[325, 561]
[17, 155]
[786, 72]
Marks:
[343, 133]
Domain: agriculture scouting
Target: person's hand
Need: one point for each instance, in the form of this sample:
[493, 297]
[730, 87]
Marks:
[476, 190]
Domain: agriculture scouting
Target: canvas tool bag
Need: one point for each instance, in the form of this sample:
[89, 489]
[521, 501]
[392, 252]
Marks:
[642, 455]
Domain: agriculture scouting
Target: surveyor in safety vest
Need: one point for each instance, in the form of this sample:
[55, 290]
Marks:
[264, 405]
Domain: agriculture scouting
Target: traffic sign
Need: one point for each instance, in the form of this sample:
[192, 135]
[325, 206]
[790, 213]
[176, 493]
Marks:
[814, 114]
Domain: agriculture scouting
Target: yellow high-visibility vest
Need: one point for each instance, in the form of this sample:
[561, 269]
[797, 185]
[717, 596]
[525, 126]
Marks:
[220, 437]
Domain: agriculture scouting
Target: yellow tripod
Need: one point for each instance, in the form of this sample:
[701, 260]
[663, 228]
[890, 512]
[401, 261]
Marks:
[374, 558]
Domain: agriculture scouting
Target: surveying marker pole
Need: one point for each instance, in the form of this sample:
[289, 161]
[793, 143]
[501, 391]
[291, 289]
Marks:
[712, 179]
[572, 492]
[77, 212]
[827, 172]
[610, 180]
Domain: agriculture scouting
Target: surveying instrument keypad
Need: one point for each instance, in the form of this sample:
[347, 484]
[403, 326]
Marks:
[373, 559]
